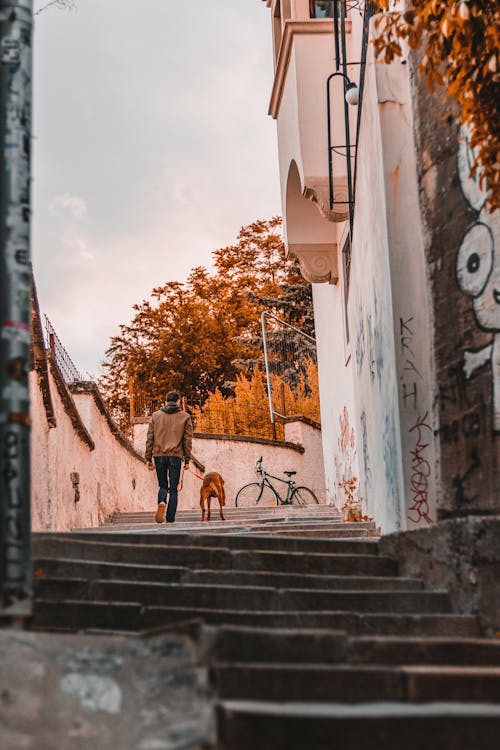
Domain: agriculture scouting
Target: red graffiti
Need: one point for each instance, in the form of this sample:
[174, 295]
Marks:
[420, 473]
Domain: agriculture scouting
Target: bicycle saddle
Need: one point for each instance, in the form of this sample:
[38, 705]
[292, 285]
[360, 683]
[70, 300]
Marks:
[289, 473]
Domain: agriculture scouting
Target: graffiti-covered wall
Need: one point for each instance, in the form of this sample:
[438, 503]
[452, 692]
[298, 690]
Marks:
[370, 314]
[462, 250]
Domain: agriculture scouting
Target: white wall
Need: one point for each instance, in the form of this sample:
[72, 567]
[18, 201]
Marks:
[111, 477]
[234, 457]
[388, 309]
[338, 416]
[371, 317]
[410, 296]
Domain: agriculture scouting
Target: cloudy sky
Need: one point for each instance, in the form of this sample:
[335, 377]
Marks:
[152, 146]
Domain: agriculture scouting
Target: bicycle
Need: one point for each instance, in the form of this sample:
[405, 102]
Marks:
[264, 493]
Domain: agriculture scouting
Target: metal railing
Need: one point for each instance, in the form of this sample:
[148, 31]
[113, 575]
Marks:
[286, 352]
[64, 363]
[251, 420]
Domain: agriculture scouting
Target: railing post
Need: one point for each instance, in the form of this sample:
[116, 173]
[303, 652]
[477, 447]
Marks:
[16, 19]
[268, 369]
[131, 397]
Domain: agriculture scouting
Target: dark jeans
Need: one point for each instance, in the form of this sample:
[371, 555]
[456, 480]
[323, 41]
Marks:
[168, 471]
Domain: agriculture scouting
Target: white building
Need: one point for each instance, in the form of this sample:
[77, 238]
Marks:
[384, 282]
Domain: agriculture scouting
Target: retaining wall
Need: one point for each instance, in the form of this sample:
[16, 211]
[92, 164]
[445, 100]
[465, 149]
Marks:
[234, 456]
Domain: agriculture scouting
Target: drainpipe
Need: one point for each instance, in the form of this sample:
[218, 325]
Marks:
[16, 21]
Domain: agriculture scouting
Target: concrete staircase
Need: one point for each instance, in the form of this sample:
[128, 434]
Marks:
[310, 637]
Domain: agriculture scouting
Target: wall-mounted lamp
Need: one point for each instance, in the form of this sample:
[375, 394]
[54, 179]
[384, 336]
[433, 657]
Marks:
[351, 93]
[351, 90]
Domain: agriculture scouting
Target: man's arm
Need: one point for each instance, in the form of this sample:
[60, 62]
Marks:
[187, 440]
[149, 442]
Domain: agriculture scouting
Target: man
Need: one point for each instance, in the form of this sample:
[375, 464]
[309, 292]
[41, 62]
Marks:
[169, 442]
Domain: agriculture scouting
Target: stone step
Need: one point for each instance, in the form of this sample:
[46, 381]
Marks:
[243, 597]
[297, 580]
[247, 725]
[230, 541]
[320, 531]
[323, 533]
[278, 511]
[240, 516]
[355, 684]
[244, 644]
[215, 558]
[89, 570]
[445, 650]
[84, 615]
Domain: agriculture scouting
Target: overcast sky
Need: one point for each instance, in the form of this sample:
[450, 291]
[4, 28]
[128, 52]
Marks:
[152, 146]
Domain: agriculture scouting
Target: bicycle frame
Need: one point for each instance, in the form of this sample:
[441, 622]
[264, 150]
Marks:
[266, 483]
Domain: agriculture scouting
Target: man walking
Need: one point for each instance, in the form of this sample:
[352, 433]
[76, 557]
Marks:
[169, 442]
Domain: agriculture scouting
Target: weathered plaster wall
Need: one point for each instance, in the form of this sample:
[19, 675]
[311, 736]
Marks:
[338, 419]
[80, 476]
[370, 314]
[410, 294]
[310, 469]
[462, 252]
[234, 457]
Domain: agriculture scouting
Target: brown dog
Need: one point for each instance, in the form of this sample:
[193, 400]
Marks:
[213, 486]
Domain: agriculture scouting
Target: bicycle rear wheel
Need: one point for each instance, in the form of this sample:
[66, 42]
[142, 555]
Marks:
[303, 496]
[255, 494]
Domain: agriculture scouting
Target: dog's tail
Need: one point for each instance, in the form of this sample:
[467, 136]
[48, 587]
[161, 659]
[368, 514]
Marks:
[215, 491]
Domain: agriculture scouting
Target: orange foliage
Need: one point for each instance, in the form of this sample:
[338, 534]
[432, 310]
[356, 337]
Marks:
[352, 507]
[461, 42]
[248, 412]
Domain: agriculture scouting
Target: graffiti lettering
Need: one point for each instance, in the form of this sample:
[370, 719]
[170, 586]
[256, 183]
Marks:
[410, 394]
[410, 365]
[420, 473]
[22, 257]
[406, 336]
[366, 455]
[13, 527]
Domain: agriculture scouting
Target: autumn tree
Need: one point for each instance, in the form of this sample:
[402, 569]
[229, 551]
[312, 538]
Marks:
[192, 336]
[460, 42]
[247, 411]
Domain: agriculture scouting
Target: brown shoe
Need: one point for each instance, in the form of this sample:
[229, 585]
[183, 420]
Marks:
[160, 513]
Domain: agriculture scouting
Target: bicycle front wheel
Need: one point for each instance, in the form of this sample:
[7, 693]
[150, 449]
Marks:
[303, 496]
[255, 494]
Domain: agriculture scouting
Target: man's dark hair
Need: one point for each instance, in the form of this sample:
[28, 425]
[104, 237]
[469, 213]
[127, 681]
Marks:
[172, 396]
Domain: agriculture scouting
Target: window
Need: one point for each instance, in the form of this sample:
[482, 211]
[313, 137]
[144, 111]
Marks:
[321, 8]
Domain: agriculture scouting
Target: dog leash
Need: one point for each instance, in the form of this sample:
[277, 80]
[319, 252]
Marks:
[181, 480]
[195, 474]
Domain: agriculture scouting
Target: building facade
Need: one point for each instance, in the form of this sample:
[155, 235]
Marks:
[381, 213]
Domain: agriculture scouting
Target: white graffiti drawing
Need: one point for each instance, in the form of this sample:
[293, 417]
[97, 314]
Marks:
[478, 275]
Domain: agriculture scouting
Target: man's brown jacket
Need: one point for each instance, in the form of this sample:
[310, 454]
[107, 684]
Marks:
[170, 433]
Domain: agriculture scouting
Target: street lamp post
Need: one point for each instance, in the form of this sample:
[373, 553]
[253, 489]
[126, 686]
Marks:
[16, 18]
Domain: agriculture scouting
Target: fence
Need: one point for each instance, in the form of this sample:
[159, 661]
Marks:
[231, 418]
[64, 363]
[289, 354]
[143, 406]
